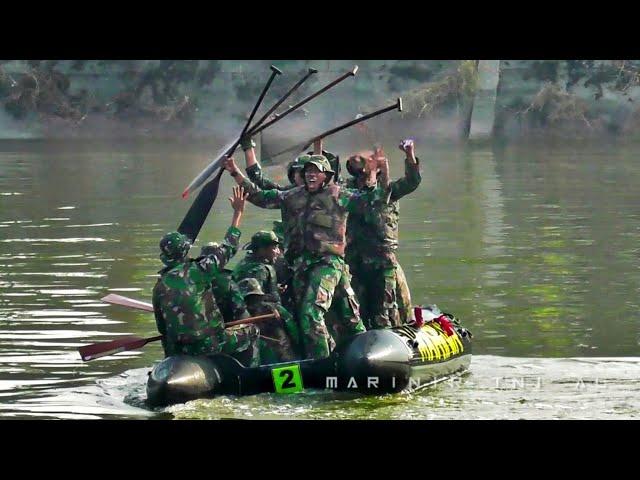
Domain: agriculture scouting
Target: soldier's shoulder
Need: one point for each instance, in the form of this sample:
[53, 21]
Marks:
[297, 190]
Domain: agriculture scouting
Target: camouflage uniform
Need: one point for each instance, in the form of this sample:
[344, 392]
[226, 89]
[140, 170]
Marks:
[185, 307]
[280, 338]
[315, 241]
[261, 269]
[228, 296]
[255, 174]
[372, 240]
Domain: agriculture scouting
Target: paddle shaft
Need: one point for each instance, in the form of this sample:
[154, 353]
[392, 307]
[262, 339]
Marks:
[250, 320]
[279, 102]
[306, 100]
[274, 71]
[395, 106]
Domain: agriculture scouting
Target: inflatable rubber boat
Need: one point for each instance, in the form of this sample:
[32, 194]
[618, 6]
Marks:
[373, 362]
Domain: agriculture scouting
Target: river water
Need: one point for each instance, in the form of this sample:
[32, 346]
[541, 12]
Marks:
[536, 250]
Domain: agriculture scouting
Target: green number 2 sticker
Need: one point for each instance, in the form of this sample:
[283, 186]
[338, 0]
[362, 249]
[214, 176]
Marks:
[287, 379]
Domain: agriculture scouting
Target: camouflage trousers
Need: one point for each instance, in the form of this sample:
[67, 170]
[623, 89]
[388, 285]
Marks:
[318, 283]
[383, 293]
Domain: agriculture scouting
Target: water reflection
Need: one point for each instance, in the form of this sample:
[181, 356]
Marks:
[535, 249]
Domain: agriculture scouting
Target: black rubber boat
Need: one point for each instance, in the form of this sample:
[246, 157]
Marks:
[374, 362]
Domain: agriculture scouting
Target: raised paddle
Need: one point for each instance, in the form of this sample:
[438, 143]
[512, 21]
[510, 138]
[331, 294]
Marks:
[202, 176]
[304, 101]
[197, 214]
[284, 97]
[254, 130]
[97, 350]
[361, 118]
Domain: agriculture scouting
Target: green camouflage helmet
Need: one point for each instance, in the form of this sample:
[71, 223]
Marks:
[174, 246]
[297, 164]
[263, 238]
[334, 161]
[321, 162]
[250, 286]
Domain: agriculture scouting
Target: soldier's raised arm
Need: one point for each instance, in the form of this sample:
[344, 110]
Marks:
[271, 199]
[216, 256]
[361, 200]
[412, 178]
[254, 170]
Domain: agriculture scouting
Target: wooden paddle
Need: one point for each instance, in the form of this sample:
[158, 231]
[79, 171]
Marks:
[132, 342]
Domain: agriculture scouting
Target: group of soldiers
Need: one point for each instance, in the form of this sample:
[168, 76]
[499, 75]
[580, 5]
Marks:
[329, 268]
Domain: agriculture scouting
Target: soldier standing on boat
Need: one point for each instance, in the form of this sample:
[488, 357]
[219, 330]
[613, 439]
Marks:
[296, 179]
[372, 241]
[184, 303]
[315, 237]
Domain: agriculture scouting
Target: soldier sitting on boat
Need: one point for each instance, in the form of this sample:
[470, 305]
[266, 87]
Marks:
[185, 307]
[279, 338]
[225, 290]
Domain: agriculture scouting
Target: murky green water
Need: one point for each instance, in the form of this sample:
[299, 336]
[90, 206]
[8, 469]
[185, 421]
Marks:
[535, 249]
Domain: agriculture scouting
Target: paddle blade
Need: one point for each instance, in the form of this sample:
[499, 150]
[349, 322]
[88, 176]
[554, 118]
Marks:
[97, 350]
[211, 168]
[114, 299]
[197, 214]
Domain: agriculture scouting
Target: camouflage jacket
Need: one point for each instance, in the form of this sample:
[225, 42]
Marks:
[184, 305]
[315, 222]
[228, 296]
[256, 175]
[373, 233]
[261, 270]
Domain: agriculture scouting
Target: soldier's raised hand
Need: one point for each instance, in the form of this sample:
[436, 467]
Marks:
[371, 170]
[229, 164]
[381, 158]
[238, 199]
[408, 147]
[383, 165]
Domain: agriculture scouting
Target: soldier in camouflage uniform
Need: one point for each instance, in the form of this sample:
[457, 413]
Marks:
[184, 304]
[294, 168]
[264, 249]
[372, 240]
[279, 338]
[315, 225]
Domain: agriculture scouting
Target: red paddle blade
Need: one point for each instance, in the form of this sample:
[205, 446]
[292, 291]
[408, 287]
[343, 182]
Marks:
[97, 350]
